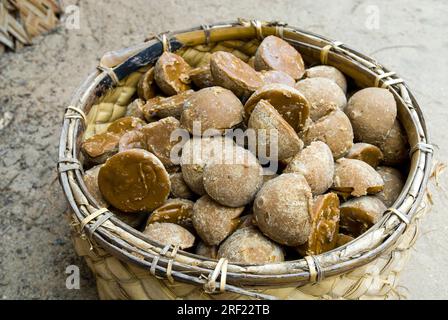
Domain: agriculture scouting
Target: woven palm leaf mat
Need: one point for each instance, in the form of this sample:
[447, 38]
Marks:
[22, 20]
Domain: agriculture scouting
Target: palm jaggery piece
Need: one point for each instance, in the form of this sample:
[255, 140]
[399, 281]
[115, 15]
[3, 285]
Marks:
[134, 181]
[158, 108]
[366, 152]
[125, 124]
[202, 76]
[171, 74]
[170, 234]
[146, 87]
[100, 147]
[178, 211]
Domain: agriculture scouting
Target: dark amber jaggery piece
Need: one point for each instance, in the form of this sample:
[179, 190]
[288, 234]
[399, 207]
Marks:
[134, 181]
[178, 211]
[146, 87]
[159, 107]
[100, 147]
[126, 124]
[202, 77]
[171, 74]
[368, 153]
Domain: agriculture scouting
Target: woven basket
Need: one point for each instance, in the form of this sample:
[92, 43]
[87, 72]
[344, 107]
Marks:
[128, 265]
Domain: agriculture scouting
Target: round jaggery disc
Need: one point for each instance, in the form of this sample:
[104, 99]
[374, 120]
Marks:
[316, 164]
[214, 222]
[134, 181]
[178, 211]
[282, 209]
[146, 87]
[249, 246]
[372, 112]
[179, 188]
[277, 54]
[335, 130]
[159, 107]
[393, 184]
[366, 152]
[328, 72]
[395, 147]
[232, 73]
[171, 74]
[274, 76]
[169, 234]
[356, 177]
[289, 102]
[212, 108]
[265, 120]
[323, 95]
[359, 214]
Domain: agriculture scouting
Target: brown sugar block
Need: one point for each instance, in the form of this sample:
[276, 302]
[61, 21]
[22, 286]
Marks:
[274, 76]
[178, 211]
[277, 54]
[234, 177]
[282, 209]
[214, 222]
[328, 72]
[266, 120]
[289, 102]
[316, 164]
[359, 214]
[202, 76]
[232, 73]
[90, 178]
[366, 152]
[154, 137]
[206, 251]
[249, 246]
[135, 109]
[134, 181]
[146, 87]
[213, 108]
[393, 184]
[159, 107]
[195, 154]
[325, 225]
[169, 234]
[179, 188]
[171, 74]
[323, 95]
[126, 124]
[335, 130]
[372, 112]
[395, 147]
[343, 239]
[357, 178]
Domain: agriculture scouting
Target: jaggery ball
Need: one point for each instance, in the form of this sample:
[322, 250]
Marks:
[179, 188]
[393, 184]
[335, 130]
[178, 211]
[323, 95]
[366, 152]
[275, 76]
[316, 164]
[328, 72]
[206, 251]
[249, 246]
[282, 209]
[169, 234]
[395, 147]
[372, 112]
[214, 222]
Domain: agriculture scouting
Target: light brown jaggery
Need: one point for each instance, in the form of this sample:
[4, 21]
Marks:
[366, 152]
[146, 86]
[328, 72]
[179, 188]
[393, 184]
[158, 108]
[169, 234]
[171, 74]
[395, 147]
[275, 76]
[90, 178]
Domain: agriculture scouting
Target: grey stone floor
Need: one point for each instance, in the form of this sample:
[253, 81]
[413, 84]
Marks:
[36, 84]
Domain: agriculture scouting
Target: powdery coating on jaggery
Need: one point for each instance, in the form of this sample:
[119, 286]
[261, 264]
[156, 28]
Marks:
[372, 112]
[282, 209]
[146, 87]
[335, 130]
[179, 188]
[277, 54]
[288, 101]
[273, 133]
[214, 222]
[154, 137]
[90, 178]
[356, 177]
[206, 251]
[234, 177]
[171, 74]
[169, 234]
[159, 107]
[274, 76]
[328, 72]
[366, 152]
[316, 164]
[323, 95]
[249, 246]
[395, 147]
[212, 108]
[393, 184]
[359, 214]
[234, 74]
[134, 181]
[195, 154]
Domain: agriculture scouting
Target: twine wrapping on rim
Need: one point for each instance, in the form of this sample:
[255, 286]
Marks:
[423, 147]
[164, 253]
[110, 72]
[207, 33]
[69, 164]
[400, 215]
[92, 216]
[79, 114]
[314, 268]
[166, 46]
[325, 50]
[258, 28]
[220, 269]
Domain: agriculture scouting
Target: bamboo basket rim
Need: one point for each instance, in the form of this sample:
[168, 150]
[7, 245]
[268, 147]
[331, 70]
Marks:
[101, 228]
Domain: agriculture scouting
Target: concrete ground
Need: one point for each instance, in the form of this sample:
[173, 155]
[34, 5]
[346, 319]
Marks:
[36, 85]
